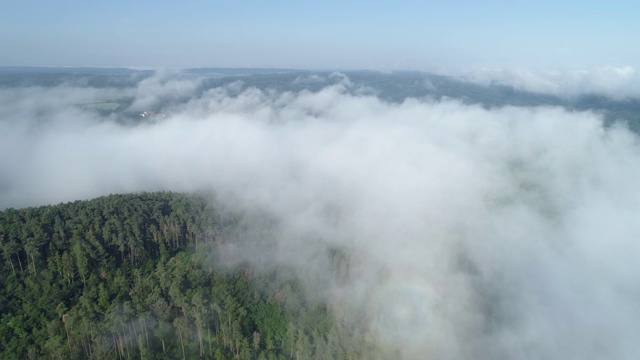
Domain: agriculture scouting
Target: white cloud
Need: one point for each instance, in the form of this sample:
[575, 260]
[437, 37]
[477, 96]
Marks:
[164, 85]
[476, 233]
[618, 83]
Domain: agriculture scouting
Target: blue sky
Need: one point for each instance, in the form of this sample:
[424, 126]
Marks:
[384, 35]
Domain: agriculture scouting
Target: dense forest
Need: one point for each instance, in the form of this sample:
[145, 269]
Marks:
[135, 277]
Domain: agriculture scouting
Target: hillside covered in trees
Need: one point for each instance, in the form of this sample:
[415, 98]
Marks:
[135, 277]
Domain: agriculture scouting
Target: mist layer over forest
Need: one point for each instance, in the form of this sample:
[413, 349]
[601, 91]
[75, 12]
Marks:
[480, 220]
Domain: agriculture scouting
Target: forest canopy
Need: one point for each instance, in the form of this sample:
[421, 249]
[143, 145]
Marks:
[135, 277]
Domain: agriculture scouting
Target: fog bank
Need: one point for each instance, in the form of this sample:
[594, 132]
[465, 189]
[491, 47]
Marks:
[503, 233]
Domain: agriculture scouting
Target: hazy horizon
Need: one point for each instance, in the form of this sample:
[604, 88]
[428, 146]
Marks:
[405, 35]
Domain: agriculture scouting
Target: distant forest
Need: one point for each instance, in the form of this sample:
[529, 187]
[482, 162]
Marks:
[135, 277]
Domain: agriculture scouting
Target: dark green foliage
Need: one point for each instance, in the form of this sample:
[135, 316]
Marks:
[121, 277]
